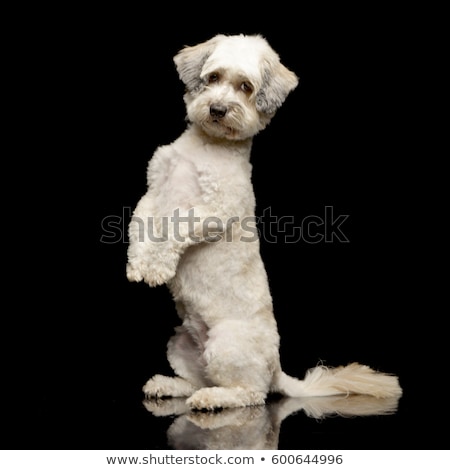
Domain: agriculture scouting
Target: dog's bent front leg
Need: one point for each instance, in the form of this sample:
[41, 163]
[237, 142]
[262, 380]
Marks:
[157, 242]
[153, 252]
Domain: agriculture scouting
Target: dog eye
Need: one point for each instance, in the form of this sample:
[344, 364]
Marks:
[214, 77]
[246, 87]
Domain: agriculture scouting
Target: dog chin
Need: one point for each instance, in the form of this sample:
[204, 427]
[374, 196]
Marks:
[220, 130]
[228, 129]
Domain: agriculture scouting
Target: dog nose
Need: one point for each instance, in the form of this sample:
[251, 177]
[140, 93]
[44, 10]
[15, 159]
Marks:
[217, 110]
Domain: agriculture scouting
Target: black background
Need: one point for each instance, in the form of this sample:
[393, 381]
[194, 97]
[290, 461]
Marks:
[111, 95]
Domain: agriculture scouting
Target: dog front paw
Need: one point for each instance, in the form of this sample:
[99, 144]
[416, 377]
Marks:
[152, 263]
[134, 274]
[157, 275]
[154, 274]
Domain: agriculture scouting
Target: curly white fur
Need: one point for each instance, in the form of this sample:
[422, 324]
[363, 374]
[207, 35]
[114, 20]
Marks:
[194, 230]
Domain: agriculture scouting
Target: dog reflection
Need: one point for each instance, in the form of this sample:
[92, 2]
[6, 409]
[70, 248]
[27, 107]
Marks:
[256, 427]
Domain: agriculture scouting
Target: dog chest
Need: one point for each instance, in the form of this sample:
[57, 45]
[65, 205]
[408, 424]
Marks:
[190, 174]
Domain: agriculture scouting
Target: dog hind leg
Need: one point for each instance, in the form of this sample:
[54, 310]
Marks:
[239, 366]
[185, 359]
[161, 386]
[185, 356]
[210, 398]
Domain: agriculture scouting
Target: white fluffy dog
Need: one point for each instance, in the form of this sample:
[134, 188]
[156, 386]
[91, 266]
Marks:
[194, 230]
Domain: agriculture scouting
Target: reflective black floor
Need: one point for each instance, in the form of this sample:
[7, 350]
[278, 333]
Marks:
[84, 419]
[261, 427]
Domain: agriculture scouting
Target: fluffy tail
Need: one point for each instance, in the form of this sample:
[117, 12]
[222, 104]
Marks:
[354, 378]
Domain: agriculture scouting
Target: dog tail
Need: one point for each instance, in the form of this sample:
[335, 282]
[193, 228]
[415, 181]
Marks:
[354, 378]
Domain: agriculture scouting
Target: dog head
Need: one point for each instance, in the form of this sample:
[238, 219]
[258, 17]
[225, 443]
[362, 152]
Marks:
[234, 84]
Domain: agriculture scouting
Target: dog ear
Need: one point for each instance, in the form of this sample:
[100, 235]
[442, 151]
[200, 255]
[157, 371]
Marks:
[190, 60]
[277, 82]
